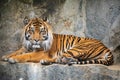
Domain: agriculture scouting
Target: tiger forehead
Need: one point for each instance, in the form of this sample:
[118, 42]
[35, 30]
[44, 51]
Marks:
[37, 21]
[36, 27]
[36, 24]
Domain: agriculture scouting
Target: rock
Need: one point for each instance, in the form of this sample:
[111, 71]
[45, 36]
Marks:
[98, 19]
[116, 54]
[35, 71]
[103, 21]
[115, 33]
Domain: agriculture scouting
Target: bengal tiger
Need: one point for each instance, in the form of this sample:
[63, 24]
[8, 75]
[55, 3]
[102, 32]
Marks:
[40, 44]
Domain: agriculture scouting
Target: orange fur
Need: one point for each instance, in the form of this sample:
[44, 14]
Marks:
[40, 44]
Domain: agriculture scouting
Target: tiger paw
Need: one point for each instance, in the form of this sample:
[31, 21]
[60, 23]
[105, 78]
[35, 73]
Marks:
[12, 60]
[45, 62]
[4, 58]
[68, 60]
[58, 60]
[61, 60]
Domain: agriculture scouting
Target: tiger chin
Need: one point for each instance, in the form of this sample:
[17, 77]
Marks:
[40, 44]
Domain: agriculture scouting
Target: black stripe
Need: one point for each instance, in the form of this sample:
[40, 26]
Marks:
[66, 42]
[98, 53]
[101, 62]
[96, 61]
[73, 38]
[90, 62]
[93, 50]
[79, 39]
[80, 59]
[85, 62]
[69, 44]
[90, 53]
[63, 37]
[86, 38]
[69, 52]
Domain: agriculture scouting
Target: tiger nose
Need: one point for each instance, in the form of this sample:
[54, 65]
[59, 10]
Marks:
[36, 40]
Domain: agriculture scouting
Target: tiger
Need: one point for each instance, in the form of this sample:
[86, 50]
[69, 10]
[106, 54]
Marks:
[41, 45]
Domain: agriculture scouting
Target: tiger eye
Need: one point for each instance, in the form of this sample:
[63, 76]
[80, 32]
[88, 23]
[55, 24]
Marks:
[42, 29]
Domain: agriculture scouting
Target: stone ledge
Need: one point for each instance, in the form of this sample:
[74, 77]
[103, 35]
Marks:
[35, 71]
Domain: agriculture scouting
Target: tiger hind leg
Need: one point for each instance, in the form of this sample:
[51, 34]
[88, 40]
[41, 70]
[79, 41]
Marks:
[107, 59]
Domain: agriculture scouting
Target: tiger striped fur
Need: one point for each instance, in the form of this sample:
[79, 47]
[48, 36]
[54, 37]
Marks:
[41, 44]
[83, 50]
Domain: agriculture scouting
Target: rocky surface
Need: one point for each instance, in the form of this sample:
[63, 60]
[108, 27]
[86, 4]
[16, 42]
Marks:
[98, 19]
[35, 71]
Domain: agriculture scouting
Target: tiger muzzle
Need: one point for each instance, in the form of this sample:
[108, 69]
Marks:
[36, 44]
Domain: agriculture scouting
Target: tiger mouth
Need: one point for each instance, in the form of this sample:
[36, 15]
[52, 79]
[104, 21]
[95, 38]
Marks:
[36, 46]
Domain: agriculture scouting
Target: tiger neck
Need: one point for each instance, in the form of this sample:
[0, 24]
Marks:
[53, 47]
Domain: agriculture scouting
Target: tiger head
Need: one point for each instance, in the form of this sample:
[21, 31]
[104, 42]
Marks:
[37, 34]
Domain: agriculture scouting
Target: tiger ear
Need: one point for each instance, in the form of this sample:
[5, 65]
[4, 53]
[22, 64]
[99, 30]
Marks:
[26, 20]
[44, 18]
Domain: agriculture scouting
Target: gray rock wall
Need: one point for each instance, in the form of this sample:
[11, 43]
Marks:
[103, 21]
[98, 19]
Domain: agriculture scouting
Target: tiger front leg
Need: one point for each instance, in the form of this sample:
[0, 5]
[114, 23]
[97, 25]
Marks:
[19, 58]
[18, 52]
[29, 57]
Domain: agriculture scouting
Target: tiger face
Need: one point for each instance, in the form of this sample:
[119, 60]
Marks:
[37, 36]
